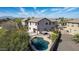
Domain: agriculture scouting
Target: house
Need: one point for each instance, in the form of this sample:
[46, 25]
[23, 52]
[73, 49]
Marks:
[9, 25]
[72, 27]
[37, 25]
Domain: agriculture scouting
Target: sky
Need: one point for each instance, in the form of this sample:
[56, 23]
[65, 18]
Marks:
[50, 12]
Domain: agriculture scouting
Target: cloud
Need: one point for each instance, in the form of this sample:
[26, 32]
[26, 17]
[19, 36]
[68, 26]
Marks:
[23, 12]
[34, 8]
[44, 10]
[39, 12]
[62, 10]
[56, 9]
[67, 9]
[70, 9]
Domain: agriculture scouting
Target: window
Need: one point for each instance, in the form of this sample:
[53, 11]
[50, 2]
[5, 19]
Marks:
[67, 30]
[78, 25]
[30, 23]
[35, 23]
[46, 23]
[68, 25]
[70, 30]
[53, 22]
[72, 25]
[38, 23]
[49, 23]
[29, 27]
[74, 30]
[45, 29]
[52, 27]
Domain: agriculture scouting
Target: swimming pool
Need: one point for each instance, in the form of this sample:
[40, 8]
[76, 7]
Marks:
[39, 43]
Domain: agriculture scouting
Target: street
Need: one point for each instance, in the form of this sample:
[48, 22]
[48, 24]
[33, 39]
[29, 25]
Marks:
[66, 43]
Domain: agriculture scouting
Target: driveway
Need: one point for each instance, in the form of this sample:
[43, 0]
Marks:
[66, 43]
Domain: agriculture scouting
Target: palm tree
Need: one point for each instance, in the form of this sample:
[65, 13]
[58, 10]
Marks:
[18, 23]
[76, 38]
[28, 19]
[63, 21]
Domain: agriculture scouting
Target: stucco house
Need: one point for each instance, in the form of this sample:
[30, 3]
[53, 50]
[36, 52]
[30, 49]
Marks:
[37, 25]
[72, 27]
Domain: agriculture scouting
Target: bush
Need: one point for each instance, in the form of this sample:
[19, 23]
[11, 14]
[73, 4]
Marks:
[76, 38]
[2, 32]
[53, 36]
[14, 40]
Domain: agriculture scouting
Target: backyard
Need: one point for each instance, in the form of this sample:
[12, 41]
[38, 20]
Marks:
[14, 36]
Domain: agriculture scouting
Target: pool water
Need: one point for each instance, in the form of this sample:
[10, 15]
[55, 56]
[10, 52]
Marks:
[39, 43]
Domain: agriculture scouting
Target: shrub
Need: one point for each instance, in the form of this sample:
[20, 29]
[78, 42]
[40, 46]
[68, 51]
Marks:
[14, 40]
[53, 36]
[76, 38]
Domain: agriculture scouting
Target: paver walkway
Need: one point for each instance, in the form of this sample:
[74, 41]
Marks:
[67, 44]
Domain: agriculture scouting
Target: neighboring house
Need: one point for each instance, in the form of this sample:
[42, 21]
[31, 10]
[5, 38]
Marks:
[72, 27]
[9, 25]
[37, 25]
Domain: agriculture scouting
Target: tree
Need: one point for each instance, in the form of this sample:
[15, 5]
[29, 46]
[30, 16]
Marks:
[62, 21]
[28, 19]
[18, 23]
